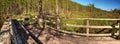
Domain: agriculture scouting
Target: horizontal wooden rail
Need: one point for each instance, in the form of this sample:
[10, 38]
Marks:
[88, 26]
[100, 34]
[82, 34]
[47, 21]
[50, 16]
[93, 19]
[84, 26]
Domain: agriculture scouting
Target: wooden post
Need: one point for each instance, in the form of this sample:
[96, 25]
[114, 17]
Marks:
[113, 31]
[58, 23]
[87, 31]
[40, 14]
[40, 22]
[119, 31]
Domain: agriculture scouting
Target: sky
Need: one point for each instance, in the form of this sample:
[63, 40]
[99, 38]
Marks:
[102, 4]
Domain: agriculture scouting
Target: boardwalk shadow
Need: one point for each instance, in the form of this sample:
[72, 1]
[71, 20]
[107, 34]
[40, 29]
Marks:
[20, 31]
[4, 32]
[34, 37]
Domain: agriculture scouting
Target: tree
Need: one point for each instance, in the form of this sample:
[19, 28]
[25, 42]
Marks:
[40, 7]
[57, 7]
[116, 13]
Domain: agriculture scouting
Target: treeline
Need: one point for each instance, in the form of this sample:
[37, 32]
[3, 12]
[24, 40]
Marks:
[17, 7]
[67, 9]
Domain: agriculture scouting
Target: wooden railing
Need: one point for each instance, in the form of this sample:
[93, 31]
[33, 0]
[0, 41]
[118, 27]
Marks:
[88, 26]
[5, 34]
[53, 20]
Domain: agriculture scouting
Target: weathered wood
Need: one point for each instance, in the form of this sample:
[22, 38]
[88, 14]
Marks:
[41, 22]
[84, 26]
[5, 34]
[93, 19]
[5, 37]
[87, 26]
[87, 31]
[119, 31]
[101, 34]
[50, 16]
[47, 21]
[82, 34]
[58, 23]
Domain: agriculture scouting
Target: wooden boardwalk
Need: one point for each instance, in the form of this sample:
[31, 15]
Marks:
[5, 34]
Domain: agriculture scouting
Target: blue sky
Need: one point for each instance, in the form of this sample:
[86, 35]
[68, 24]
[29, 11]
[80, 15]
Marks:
[102, 4]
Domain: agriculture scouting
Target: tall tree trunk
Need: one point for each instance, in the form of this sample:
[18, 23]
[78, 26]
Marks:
[40, 15]
[57, 7]
[40, 7]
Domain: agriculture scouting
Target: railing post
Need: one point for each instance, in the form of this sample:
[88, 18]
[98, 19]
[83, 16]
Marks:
[113, 29]
[87, 31]
[58, 23]
[40, 22]
[119, 31]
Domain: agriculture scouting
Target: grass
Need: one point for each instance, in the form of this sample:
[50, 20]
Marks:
[82, 22]
[68, 21]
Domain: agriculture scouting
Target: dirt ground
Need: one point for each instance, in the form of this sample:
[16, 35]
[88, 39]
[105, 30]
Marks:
[48, 36]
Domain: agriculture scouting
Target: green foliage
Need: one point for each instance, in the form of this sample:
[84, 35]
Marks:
[71, 29]
[19, 9]
[65, 21]
[116, 12]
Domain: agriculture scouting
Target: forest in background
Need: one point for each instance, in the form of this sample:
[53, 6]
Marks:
[19, 9]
